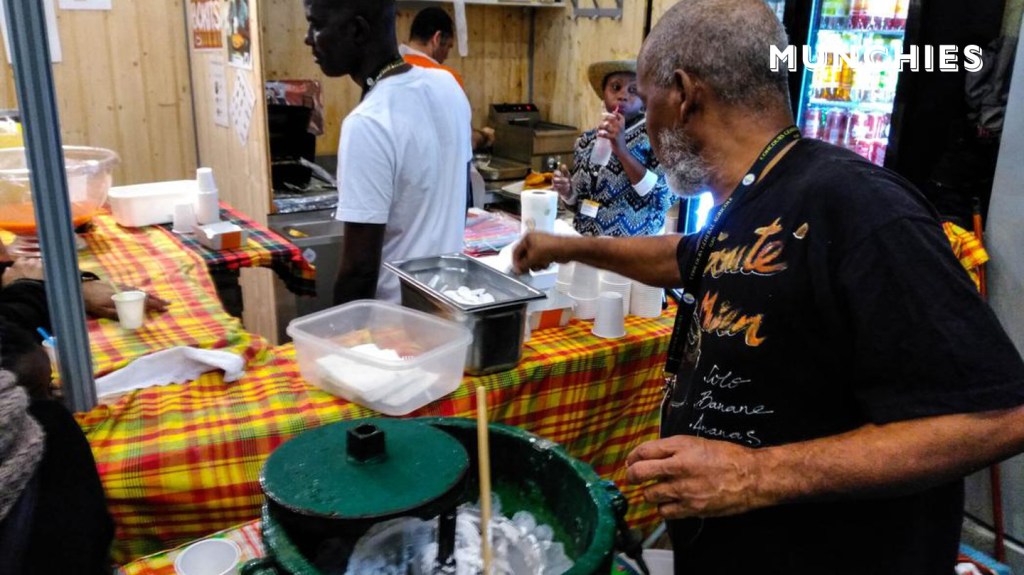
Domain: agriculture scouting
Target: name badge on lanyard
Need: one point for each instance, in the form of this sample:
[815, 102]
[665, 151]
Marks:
[589, 208]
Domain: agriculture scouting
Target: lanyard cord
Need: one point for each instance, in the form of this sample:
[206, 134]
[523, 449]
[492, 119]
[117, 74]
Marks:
[707, 241]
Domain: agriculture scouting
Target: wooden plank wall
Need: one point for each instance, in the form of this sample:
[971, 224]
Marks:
[496, 69]
[242, 170]
[124, 84]
[565, 47]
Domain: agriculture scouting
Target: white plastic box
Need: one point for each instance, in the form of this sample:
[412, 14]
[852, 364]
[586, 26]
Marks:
[429, 354]
[149, 204]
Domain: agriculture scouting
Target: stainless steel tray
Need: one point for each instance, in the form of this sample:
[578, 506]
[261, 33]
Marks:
[498, 328]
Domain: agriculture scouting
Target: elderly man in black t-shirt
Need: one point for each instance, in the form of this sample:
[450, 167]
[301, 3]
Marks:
[835, 372]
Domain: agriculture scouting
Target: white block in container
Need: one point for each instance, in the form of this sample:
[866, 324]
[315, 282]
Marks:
[431, 354]
[149, 204]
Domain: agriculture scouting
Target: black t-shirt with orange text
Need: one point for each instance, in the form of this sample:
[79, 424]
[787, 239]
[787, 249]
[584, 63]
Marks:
[831, 299]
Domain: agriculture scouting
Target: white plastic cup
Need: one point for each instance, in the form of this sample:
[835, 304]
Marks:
[565, 272]
[625, 290]
[584, 307]
[209, 557]
[52, 353]
[184, 218]
[584, 281]
[610, 319]
[131, 308]
[563, 287]
[645, 301]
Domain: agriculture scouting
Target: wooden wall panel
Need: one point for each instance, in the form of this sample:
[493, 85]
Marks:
[565, 47]
[124, 84]
[242, 170]
[496, 69]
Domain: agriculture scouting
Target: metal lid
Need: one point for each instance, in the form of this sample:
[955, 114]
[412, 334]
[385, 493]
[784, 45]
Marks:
[366, 469]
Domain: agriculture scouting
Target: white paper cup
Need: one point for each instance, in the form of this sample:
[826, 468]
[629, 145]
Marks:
[612, 278]
[131, 308]
[584, 307]
[584, 281]
[610, 319]
[184, 218]
[562, 287]
[209, 557]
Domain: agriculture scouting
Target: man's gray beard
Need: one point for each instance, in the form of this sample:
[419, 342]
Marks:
[686, 172]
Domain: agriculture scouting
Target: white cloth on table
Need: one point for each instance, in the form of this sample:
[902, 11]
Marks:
[174, 365]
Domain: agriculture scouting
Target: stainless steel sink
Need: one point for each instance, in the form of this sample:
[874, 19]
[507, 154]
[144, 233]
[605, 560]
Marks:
[319, 237]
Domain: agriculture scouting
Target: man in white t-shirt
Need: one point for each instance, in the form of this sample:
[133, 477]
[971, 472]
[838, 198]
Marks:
[405, 150]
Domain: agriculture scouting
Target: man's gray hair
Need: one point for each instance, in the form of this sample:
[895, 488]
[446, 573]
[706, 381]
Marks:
[726, 44]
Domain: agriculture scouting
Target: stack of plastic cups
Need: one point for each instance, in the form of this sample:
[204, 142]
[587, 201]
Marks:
[583, 291]
[645, 301]
[610, 320]
[564, 280]
[613, 282]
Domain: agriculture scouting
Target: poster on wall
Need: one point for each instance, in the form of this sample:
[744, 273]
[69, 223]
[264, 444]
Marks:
[207, 24]
[52, 34]
[239, 40]
[243, 100]
[219, 88]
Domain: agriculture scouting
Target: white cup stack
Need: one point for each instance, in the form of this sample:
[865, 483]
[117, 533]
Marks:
[584, 290]
[610, 320]
[613, 282]
[564, 279]
[184, 217]
[645, 301]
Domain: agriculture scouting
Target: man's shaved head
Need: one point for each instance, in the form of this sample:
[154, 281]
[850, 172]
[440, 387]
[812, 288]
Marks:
[724, 43]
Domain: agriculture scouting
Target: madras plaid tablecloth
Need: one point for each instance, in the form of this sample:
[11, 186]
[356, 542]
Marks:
[264, 248]
[148, 259]
[246, 536]
[182, 461]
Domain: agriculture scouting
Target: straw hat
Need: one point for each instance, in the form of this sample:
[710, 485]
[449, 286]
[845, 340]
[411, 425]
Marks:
[598, 71]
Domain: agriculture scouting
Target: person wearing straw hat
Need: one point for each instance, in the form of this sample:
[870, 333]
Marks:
[626, 196]
[833, 373]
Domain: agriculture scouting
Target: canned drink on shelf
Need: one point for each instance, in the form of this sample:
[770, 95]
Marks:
[835, 126]
[865, 148]
[878, 151]
[857, 127]
[880, 126]
[812, 124]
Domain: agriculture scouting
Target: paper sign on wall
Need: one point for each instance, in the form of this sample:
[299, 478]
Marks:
[219, 87]
[85, 5]
[206, 22]
[243, 100]
[239, 40]
[52, 32]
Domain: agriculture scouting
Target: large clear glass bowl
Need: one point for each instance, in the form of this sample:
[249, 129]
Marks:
[89, 173]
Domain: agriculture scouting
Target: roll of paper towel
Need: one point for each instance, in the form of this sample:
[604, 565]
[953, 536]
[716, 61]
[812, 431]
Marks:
[539, 208]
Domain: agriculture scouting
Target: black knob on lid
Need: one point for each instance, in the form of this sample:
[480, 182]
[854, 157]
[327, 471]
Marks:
[365, 443]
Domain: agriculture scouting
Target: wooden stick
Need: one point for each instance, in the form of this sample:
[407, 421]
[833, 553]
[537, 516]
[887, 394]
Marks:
[484, 457]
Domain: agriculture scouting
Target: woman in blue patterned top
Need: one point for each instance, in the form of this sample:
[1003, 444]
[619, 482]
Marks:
[628, 196]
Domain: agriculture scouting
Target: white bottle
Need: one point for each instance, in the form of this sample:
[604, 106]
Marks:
[207, 203]
[602, 151]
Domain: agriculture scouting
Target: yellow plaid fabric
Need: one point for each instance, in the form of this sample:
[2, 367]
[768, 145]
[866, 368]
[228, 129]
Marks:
[181, 461]
[148, 259]
[967, 248]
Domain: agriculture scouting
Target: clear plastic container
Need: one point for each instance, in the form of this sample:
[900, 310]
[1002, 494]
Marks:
[381, 355]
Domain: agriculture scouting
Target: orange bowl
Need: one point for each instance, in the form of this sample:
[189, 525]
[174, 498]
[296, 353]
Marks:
[89, 173]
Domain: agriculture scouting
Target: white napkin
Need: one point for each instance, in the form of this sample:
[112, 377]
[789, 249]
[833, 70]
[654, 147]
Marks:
[174, 365]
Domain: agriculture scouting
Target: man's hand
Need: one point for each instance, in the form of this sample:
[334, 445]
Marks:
[96, 295]
[535, 251]
[696, 477]
[23, 269]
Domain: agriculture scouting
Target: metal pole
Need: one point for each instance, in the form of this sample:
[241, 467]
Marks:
[33, 77]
